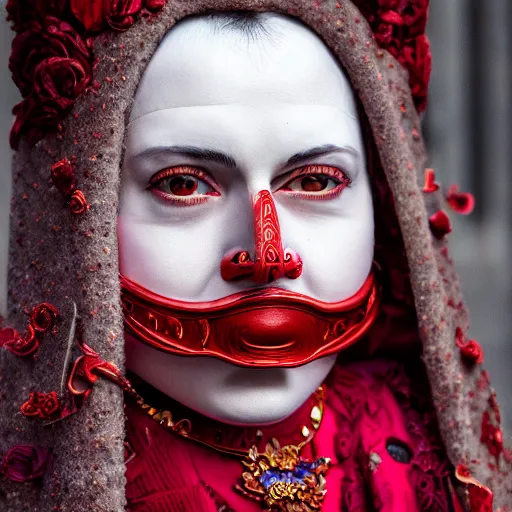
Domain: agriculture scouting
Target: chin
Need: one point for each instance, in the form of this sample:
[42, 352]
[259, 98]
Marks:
[258, 406]
[222, 391]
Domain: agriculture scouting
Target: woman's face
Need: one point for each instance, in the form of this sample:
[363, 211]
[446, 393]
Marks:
[218, 117]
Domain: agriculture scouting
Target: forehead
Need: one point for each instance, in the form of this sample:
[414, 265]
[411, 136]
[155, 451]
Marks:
[200, 63]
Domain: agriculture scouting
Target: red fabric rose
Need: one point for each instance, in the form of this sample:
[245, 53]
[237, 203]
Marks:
[42, 41]
[24, 463]
[416, 58]
[154, 5]
[43, 317]
[94, 14]
[51, 65]
[22, 12]
[90, 13]
[43, 405]
[20, 346]
[63, 176]
[122, 13]
[78, 203]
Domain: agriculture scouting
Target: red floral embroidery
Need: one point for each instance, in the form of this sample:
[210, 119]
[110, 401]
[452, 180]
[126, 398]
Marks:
[19, 345]
[42, 318]
[123, 13]
[51, 59]
[63, 177]
[440, 224]
[430, 182]
[22, 12]
[51, 64]
[23, 463]
[460, 202]
[399, 27]
[155, 5]
[87, 369]
[78, 203]
[42, 405]
[90, 13]
[470, 350]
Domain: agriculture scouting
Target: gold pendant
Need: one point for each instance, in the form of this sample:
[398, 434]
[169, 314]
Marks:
[283, 480]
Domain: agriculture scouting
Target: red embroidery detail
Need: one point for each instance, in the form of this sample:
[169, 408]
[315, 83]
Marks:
[480, 496]
[430, 182]
[440, 224]
[399, 27]
[23, 463]
[88, 368]
[460, 202]
[42, 319]
[271, 262]
[51, 59]
[63, 177]
[470, 350]
[78, 203]
[42, 405]
[51, 65]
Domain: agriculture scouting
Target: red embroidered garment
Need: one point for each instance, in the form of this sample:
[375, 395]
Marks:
[385, 450]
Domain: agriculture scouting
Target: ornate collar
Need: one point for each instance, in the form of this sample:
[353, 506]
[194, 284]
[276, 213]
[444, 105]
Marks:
[297, 430]
[277, 476]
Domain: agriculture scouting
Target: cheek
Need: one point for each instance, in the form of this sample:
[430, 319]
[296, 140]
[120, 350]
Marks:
[337, 250]
[172, 261]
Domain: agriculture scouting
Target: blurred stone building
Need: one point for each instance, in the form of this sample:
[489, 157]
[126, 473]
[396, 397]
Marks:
[469, 134]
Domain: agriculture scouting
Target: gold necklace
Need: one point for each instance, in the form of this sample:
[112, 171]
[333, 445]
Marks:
[278, 476]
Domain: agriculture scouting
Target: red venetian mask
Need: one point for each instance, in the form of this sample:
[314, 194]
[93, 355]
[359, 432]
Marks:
[268, 327]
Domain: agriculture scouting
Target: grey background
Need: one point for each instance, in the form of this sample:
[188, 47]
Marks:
[469, 133]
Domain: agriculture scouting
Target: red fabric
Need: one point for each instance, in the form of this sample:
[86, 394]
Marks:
[368, 406]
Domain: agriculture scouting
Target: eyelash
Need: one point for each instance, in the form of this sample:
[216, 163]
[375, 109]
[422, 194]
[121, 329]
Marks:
[183, 170]
[340, 178]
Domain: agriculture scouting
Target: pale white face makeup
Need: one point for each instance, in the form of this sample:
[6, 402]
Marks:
[244, 115]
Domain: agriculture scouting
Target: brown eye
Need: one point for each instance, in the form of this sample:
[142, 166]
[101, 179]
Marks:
[181, 185]
[314, 183]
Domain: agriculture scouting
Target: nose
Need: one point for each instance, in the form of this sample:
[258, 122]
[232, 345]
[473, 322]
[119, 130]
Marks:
[270, 261]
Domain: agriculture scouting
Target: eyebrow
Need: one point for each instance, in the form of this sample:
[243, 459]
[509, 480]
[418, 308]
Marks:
[228, 161]
[209, 155]
[320, 151]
